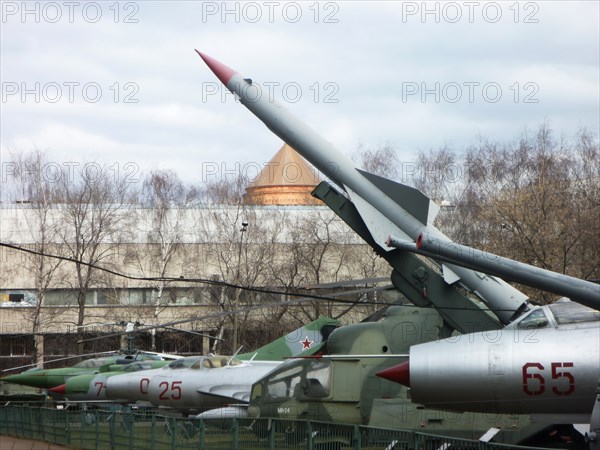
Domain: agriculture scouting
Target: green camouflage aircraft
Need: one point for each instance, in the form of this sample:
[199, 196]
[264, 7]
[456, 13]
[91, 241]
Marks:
[306, 340]
[342, 387]
[291, 344]
[49, 378]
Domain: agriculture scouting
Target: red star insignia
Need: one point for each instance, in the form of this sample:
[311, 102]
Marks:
[306, 343]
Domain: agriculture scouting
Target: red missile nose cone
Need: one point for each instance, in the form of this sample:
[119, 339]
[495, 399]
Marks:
[222, 72]
[62, 389]
[420, 241]
[398, 374]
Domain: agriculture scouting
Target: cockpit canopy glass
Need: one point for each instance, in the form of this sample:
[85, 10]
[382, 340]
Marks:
[563, 312]
[93, 363]
[535, 319]
[300, 379]
[215, 362]
[281, 385]
[137, 366]
[184, 363]
[318, 380]
[204, 362]
[572, 312]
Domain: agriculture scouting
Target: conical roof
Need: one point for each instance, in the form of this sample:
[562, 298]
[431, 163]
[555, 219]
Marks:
[287, 179]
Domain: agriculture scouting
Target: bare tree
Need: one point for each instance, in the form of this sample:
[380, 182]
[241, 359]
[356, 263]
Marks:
[586, 199]
[534, 200]
[321, 250]
[165, 201]
[37, 187]
[223, 191]
[96, 220]
[438, 174]
[381, 160]
[240, 251]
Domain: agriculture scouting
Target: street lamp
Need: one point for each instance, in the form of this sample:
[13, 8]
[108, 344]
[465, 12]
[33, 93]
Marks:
[237, 280]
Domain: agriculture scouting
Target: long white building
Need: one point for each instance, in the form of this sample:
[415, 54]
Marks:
[272, 246]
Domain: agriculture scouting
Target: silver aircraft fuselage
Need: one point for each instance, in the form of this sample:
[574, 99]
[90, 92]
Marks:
[546, 362]
[194, 383]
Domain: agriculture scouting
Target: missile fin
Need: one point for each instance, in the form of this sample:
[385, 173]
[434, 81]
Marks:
[379, 226]
[412, 200]
[450, 276]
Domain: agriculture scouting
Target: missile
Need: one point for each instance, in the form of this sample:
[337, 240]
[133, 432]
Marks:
[386, 207]
[581, 291]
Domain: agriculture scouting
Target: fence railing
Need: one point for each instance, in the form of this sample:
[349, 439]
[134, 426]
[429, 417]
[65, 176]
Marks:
[100, 429]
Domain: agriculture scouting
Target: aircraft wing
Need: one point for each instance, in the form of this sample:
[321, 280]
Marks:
[238, 392]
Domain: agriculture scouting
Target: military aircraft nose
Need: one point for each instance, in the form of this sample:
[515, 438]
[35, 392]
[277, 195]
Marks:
[39, 380]
[399, 374]
[62, 389]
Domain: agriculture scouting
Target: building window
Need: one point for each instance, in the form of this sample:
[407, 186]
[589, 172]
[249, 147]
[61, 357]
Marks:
[101, 298]
[138, 297]
[16, 298]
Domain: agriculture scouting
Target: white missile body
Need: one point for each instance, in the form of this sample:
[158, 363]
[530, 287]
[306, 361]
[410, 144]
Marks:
[386, 207]
[581, 291]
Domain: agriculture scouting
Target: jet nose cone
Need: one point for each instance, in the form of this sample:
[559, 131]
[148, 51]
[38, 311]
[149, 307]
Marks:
[222, 72]
[33, 380]
[10, 379]
[62, 389]
[398, 374]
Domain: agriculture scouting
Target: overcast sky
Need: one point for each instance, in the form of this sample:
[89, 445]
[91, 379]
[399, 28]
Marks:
[120, 83]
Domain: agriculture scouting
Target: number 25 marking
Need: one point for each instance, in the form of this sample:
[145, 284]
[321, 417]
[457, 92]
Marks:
[175, 390]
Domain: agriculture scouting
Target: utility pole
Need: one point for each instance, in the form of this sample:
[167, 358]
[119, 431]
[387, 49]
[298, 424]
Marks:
[238, 291]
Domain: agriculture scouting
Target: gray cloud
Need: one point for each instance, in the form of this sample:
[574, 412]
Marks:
[357, 65]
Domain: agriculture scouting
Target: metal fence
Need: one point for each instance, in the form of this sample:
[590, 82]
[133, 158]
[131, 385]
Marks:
[117, 429]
